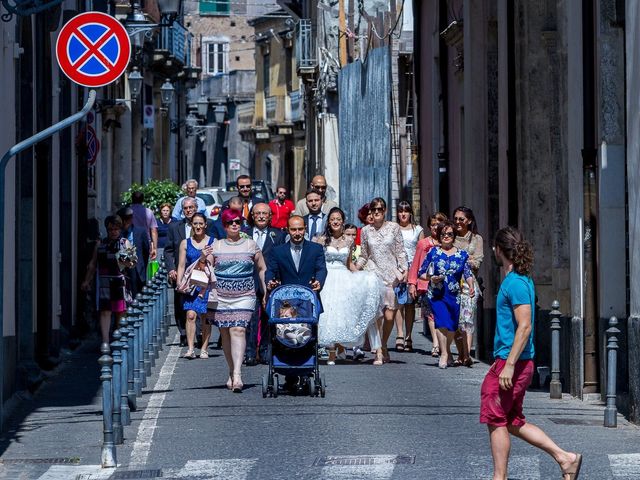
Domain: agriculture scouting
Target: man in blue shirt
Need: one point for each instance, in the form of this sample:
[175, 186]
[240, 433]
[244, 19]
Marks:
[504, 387]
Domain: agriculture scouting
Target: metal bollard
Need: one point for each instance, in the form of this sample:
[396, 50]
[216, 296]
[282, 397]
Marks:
[115, 386]
[131, 391]
[611, 411]
[108, 447]
[146, 308]
[159, 314]
[153, 335]
[138, 377]
[166, 319]
[555, 388]
[125, 412]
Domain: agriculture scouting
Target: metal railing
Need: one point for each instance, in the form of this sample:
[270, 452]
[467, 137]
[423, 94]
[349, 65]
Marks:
[306, 54]
[297, 107]
[174, 40]
[127, 364]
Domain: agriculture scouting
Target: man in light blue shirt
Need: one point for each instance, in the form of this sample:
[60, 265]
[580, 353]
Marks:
[190, 187]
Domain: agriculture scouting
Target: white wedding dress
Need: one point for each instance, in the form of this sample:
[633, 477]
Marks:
[351, 301]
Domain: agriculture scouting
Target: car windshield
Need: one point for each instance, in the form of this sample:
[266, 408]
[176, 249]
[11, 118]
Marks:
[207, 198]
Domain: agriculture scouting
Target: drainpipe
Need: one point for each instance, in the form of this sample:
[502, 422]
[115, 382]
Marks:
[27, 143]
[589, 162]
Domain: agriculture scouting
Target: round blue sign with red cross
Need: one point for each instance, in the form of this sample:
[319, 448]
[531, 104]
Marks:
[93, 49]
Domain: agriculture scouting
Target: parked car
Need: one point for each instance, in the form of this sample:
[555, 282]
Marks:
[260, 188]
[213, 199]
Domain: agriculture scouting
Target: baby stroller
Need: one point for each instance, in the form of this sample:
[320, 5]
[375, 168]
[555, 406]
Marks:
[293, 348]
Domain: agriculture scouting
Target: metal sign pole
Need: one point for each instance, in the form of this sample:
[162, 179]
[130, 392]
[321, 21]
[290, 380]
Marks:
[27, 143]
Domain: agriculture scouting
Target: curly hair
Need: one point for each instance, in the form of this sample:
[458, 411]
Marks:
[516, 249]
[363, 213]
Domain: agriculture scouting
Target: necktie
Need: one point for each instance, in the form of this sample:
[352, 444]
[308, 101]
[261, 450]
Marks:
[297, 251]
[260, 238]
[245, 210]
[314, 226]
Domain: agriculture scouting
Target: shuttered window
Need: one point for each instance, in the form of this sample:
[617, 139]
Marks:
[215, 7]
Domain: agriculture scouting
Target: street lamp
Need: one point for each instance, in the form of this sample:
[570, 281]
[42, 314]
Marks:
[166, 93]
[219, 113]
[135, 83]
[137, 24]
[203, 106]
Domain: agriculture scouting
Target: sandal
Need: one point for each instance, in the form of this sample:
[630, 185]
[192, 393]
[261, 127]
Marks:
[435, 352]
[237, 383]
[574, 470]
[379, 359]
[190, 355]
[399, 344]
[408, 345]
[457, 363]
[386, 358]
[204, 354]
[468, 362]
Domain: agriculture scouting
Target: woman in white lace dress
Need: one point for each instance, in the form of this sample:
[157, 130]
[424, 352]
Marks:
[351, 300]
[383, 254]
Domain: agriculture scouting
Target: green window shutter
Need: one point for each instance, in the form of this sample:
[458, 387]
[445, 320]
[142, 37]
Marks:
[215, 7]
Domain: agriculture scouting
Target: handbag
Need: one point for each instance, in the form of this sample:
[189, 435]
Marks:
[402, 292]
[212, 299]
[184, 285]
[199, 278]
[152, 268]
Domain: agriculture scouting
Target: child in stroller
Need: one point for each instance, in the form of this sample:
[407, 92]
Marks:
[293, 349]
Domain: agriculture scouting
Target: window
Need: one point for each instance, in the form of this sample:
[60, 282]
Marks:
[215, 7]
[216, 58]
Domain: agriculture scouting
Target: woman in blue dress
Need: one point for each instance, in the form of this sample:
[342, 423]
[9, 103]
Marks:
[195, 303]
[444, 268]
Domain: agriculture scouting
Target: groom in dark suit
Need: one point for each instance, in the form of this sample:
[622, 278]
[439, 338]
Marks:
[297, 262]
[178, 231]
[267, 238]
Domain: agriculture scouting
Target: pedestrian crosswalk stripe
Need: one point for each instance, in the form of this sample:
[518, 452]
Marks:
[521, 467]
[221, 469]
[382, 471]
[77, 472]
[625, 465]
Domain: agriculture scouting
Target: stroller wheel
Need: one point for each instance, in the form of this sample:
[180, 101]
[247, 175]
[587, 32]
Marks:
[276, 387]
[322, 387]
[311, 387]
[265, 386]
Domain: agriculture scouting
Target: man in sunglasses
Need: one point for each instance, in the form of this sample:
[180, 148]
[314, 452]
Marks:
[244, 186]
[318, 183]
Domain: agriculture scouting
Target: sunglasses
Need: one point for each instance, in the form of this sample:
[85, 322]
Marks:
[244, 187]
[320, 187]
[376, 209]
[236, 221]
[447, 235]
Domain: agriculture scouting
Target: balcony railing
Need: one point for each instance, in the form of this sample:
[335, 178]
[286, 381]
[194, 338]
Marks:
[278, 109]
[175, 40]
[297, 107]
[306, 54]
[245, 113]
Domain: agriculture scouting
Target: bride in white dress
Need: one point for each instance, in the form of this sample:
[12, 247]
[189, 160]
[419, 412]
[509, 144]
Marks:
[351, 299]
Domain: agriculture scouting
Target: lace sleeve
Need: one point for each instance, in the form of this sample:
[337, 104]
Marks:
[399, 252]
[475, 259]
[364, 249]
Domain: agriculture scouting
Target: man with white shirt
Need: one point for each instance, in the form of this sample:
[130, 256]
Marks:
[190, 188]
[266, 238]
[316, 220]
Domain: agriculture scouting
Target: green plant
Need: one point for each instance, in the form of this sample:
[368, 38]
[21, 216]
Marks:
[156, 192]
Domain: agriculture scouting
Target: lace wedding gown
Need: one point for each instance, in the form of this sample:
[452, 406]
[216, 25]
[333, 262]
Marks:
[351, 301]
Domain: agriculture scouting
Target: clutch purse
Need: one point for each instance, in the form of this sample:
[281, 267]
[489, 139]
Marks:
[199, 278]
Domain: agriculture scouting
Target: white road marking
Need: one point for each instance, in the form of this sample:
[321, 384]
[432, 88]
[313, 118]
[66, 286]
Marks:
[77, 472]
[219, 469]
[382, 471]
[521, 467]
[142, 445]
[626, 465]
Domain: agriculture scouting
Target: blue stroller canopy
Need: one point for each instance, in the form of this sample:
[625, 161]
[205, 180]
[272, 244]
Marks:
[303, 299]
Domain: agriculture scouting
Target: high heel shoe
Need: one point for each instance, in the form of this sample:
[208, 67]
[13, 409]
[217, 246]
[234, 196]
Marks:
[230, 382]
[385, 355]
[237, 383]
[379, 358]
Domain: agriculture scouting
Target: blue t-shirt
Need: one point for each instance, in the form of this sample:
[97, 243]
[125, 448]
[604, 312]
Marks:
[515, 290]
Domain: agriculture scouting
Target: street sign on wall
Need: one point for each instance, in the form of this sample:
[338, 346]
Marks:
[234, 164]
[93, 49]
[148, 116]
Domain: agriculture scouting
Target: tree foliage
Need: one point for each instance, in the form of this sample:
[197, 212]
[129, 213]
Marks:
[156, 192]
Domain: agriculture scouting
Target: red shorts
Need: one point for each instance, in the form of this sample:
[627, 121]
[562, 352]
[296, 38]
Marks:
[501, 408]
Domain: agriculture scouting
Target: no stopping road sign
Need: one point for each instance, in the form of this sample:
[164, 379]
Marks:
[93, 49]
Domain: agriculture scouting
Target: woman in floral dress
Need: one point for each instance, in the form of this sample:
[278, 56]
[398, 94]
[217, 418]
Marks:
[234, 259]
[444, 268]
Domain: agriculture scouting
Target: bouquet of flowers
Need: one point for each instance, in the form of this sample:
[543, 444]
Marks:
[127, 256]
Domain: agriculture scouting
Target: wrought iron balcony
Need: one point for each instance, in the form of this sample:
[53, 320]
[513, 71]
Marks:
[306, 54]
[297, 107]
[176, 41]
